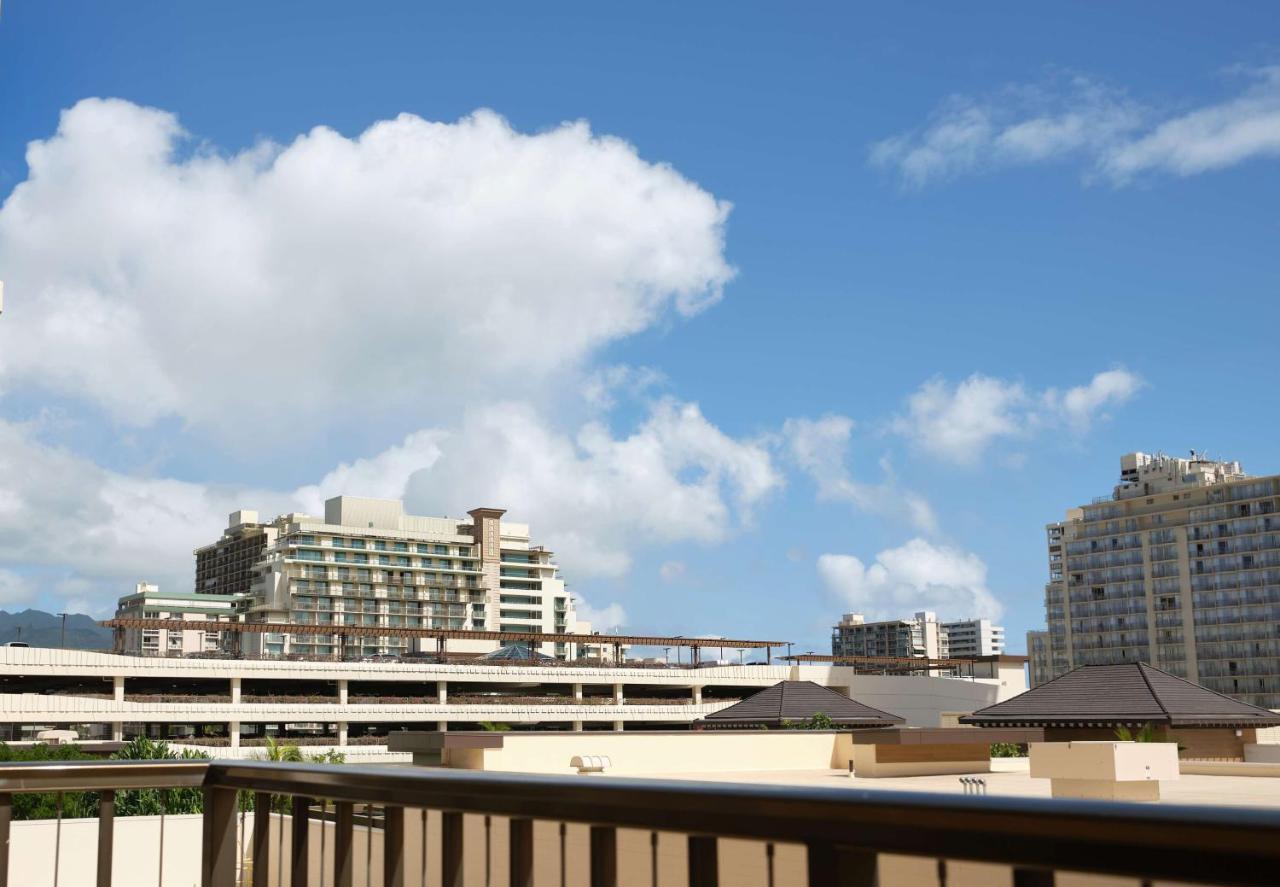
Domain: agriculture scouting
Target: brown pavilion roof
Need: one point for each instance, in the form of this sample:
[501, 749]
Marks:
[799, 701]
[1122, 694]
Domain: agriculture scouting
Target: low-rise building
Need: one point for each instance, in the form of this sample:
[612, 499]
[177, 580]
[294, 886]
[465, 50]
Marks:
[148, 602]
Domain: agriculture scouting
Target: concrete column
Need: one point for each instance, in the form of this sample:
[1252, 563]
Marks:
[235, 691]
[617, 694]
[442, 692]
[697, 696]
[577, 726]
[577, 692]
[442, 726]
[342, 733]
[117, 687]
[117, 732]
[234, 729]
[618, 726]
[342, 692]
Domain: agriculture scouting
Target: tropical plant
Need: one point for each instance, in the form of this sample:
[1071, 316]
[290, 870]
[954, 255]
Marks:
[44, 805]
[1145, 733]
[819, 721]
[154, 801]
[493, 727]
[282, 752]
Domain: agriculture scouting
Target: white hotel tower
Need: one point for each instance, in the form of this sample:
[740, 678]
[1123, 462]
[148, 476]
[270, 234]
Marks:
[367, 563]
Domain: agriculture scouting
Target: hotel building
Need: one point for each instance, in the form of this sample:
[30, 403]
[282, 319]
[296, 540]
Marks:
[368, 563]
[966, 638]
[148, 602]
[1179, 567]
[920, 637]
[226, 566]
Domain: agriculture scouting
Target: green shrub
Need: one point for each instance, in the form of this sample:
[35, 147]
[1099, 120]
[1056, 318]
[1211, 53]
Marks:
[44, 805]
[1008, 749]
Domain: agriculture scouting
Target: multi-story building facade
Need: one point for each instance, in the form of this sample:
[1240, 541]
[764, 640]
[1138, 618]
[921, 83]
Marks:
[1179, 567]
[921, 636]
[226, 566]
[367, 563]
[967, 638]
[918, 637]
[1038, 659]
[148, 602]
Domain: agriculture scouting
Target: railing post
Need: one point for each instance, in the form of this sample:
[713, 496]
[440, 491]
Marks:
[262, 839]
[450, 849]
[393, 846]
[343, 831]
[219, 860]
[604, 856]
[301, 840]
[6, 815]
[704, 862]
[1025, 877]
[106, 834]
[834, 866]
[520, 846]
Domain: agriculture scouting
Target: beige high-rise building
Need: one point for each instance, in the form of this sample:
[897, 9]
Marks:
[368, 563]
[1178, 567]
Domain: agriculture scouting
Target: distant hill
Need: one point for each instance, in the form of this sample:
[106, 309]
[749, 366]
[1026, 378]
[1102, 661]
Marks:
[41, 629]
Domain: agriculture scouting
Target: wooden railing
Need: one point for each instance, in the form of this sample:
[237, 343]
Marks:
[843, 831]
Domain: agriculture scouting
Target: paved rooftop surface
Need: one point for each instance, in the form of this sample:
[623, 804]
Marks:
[1010, 777]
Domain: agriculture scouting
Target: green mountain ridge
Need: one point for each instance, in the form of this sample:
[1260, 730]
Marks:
[41, 629]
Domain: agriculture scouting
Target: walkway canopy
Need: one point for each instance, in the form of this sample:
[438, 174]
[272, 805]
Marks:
[799, 701]
[517, 653]
[1126, 694]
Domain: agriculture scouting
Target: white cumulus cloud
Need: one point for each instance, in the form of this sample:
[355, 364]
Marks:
[958, 422]
[672, 571]
[915, 576]
[603, 620]
[592, 496]
[819, 448]
[286, 288]
[595, 496]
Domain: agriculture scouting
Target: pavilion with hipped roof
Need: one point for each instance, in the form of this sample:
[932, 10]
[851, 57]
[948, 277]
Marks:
[794, 702]
[1094, 702]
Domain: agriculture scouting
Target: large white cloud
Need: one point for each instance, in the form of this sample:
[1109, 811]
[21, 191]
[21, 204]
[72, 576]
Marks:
[1112, 135]
[915, 576]
[594, 497]
[286, 289]
[958, 422]
[819, 447]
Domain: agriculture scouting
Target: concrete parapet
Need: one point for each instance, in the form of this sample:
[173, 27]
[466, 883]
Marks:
[1105, 770]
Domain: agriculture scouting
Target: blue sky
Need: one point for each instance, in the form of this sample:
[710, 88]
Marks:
[809, 313]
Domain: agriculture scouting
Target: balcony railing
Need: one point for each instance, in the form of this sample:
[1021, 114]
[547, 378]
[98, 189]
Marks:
[841, 831]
